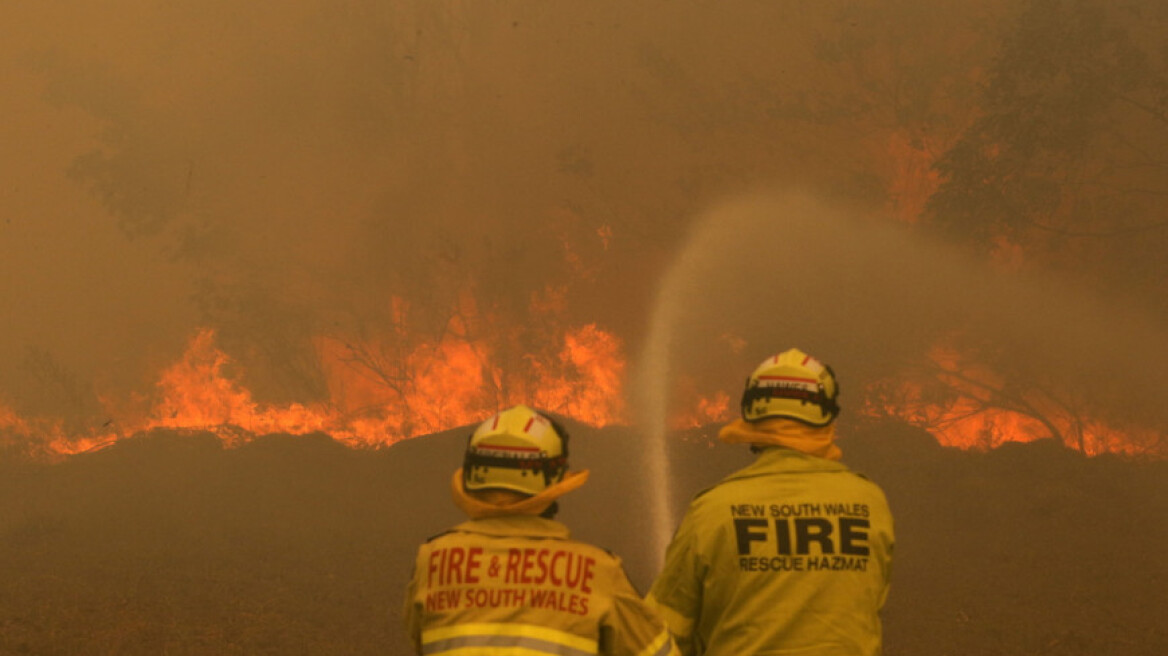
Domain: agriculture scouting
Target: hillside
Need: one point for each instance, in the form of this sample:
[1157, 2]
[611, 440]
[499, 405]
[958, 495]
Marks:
[168, 543]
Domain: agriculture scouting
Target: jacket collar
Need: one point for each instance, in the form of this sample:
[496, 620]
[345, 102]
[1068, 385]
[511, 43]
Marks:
[527, 526]
[781, 460]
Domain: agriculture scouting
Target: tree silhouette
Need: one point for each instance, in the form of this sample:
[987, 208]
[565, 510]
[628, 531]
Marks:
[1070, 143]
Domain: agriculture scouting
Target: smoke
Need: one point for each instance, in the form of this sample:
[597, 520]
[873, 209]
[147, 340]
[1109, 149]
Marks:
[284, 173]
[281, 172]
[870, 298]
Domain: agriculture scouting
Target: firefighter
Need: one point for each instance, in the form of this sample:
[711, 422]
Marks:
[792, 553]
[509, 580]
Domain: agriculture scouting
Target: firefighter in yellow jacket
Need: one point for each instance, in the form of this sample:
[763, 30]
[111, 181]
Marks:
[509, 580]
[792, 554]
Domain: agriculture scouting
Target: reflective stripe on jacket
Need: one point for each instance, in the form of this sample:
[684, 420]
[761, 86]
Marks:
[518, 585]
[791, 554]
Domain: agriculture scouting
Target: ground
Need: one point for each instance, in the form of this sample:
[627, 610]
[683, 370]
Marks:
[169, 544]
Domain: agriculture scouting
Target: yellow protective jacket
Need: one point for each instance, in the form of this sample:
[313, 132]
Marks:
[790, 555]
[517, 584]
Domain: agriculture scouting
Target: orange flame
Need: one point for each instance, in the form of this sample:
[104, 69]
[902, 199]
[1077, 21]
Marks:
[195, 393]
[457, 380]
[594, 394]
[972, 411]
[703, 411]
[377, 395]
[693, 405]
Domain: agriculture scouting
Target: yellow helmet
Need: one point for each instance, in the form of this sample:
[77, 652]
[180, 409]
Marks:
[517, 449]
[794, 385]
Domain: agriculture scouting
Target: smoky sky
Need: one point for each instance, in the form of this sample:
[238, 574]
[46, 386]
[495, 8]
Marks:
[874, 296]
[282, 171]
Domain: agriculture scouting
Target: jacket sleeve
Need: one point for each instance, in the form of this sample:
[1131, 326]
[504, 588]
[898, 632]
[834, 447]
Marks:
[676, 595]
[631, 627]
[888, 543]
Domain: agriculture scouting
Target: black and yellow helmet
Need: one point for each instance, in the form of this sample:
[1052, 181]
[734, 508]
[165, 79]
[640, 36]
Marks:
[517, 449]
[794, 385]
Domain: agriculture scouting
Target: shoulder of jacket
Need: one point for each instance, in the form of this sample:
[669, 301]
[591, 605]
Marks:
[588, 546]
[862, 477]
[438, 535]
[868, 484]
[599, 553]
[857, 474]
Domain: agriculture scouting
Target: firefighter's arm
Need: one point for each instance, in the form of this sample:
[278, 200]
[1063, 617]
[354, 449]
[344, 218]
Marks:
[676, 595]
[411, 614]
[886, 568]
[631, 627]
[888, 543]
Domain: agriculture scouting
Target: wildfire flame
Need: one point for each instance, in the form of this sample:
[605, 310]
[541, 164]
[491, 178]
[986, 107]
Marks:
[195, 392]
[703, 411]
[452, 382]
[966, 405]
[456, 380]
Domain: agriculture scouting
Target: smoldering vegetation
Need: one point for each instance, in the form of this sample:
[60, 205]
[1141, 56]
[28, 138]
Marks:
[167, 543]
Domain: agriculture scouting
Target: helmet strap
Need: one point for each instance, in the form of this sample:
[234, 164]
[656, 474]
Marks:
[827, 404]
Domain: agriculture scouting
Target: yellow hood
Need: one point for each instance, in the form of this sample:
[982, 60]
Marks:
[778, 431]
[534, 505]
